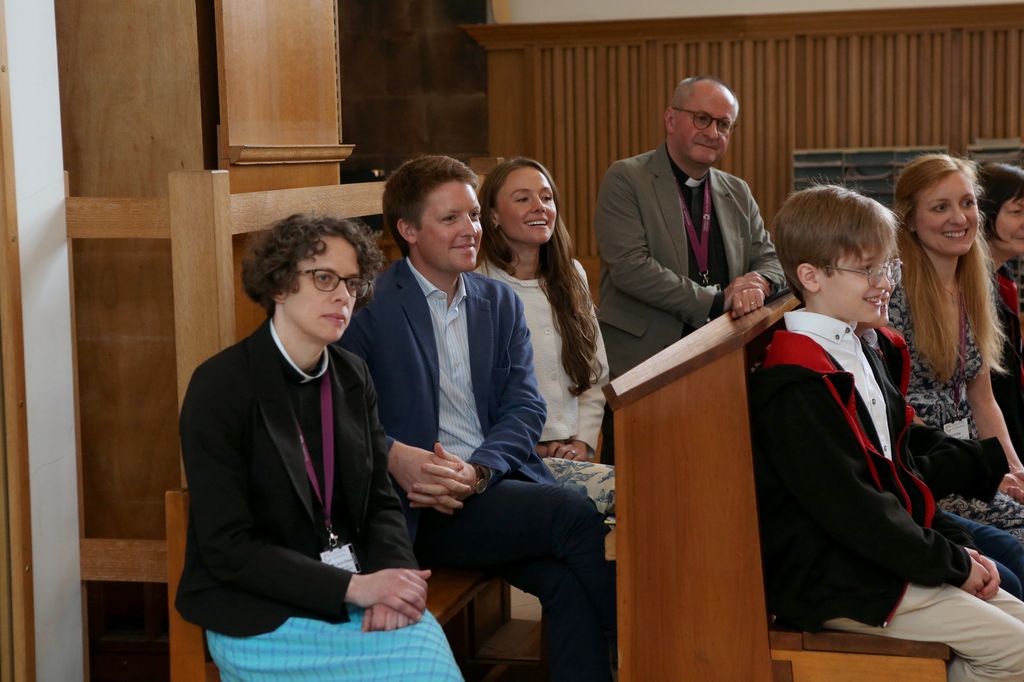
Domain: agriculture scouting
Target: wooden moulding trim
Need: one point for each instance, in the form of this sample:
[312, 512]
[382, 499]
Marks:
[712, 341]
[505, 36]
[136, 561]
[254, 211]
[118, 218]
[251, 154]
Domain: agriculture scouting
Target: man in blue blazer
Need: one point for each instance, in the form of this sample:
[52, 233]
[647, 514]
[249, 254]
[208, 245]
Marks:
[450, 355]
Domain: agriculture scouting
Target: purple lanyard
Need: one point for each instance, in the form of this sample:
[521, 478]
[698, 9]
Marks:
[960, 378]
[699, 246]
[327, 435]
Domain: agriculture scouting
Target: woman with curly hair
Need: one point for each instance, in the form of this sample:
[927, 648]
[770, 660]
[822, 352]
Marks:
[298, 563]
[526, 245]
[1002, 206]
[944, 308]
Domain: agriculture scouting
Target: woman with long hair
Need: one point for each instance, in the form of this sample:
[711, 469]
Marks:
[1002, 207]
[944, 308]
[526, 244]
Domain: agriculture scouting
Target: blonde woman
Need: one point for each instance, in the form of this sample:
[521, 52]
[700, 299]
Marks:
[945, 310]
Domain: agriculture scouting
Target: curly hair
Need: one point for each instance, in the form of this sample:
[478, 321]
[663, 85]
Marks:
[271, 263]
[569, 297]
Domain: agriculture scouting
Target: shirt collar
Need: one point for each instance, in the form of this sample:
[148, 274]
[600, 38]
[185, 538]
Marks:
[683, 179]
[428, 287]
[303, 376]
[835, 332]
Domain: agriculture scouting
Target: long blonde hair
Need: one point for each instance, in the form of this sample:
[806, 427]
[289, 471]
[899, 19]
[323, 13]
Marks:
[936, 335]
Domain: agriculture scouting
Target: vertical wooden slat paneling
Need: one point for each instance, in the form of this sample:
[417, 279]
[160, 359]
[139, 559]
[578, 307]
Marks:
[596, 102]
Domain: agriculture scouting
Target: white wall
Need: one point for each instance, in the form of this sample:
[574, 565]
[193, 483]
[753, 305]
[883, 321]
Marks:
[544, 11]
[39, 182]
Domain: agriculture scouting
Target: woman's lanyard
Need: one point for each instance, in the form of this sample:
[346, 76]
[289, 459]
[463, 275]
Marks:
[700, 245]
[960, 376]
[327, 434]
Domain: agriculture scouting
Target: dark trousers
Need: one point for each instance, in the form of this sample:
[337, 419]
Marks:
[1000, 547]
[549, 542]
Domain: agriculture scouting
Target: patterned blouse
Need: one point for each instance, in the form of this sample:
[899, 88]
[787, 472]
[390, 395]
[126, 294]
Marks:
[935, 402]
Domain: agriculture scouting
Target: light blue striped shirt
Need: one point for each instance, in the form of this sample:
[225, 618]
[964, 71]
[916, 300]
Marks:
[459, 429]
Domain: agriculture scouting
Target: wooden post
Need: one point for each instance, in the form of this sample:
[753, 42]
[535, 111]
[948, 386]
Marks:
[203, 269]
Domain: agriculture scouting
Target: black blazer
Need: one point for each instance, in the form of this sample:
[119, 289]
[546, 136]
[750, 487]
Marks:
[252, 559]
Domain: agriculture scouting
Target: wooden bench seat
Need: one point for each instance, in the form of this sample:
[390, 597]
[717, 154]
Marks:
[832, 656]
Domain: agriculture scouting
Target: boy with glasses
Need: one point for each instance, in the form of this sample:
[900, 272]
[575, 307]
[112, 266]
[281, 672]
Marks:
[851, 537]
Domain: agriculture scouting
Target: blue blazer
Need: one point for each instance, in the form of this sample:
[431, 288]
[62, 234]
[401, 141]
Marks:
[395, 337]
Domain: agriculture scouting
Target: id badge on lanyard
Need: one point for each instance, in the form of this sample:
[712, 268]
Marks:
[343, 557]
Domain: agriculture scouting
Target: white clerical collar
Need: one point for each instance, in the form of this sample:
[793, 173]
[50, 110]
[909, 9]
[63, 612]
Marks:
[302, 373]
[694, 183]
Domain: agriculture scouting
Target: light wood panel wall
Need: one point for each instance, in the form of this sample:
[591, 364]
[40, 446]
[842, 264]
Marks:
[17, 619]
[579, 96]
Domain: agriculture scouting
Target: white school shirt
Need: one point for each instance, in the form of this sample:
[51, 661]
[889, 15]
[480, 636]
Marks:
[839, 340]
[569, 416]
[458, 424]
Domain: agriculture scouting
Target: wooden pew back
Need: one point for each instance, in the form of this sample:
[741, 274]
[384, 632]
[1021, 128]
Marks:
[690, 584]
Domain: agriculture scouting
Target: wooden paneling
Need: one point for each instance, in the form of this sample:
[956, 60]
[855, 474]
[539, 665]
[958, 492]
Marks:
[129, 92]
[278, 76]
[131, 112]
[17, 620]
[908, 77]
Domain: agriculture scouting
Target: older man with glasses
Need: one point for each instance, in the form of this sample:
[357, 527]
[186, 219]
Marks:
[681, 242]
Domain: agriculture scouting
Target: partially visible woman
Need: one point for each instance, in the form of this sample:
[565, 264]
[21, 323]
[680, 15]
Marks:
[1002, 206]
[526, 244]
[944, 309]
[298, 563]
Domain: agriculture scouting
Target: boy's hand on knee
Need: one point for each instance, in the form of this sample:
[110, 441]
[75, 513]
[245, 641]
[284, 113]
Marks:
[983, 582]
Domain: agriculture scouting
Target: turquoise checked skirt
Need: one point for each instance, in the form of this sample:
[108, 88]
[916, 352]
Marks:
[309, 650]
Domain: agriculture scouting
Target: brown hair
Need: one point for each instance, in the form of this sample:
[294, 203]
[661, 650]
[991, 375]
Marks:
[564, 287]
[821, 224]
[406, 190]
[935, 334]
[271, 263]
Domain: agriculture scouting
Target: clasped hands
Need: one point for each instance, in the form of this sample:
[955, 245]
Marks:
[746, 293]
[563, 449]
[1013, 485]
[393, 597]
[435, 480]
[983, 582]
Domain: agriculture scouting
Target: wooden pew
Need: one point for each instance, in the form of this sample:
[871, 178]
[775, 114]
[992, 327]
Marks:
[207, 226]
[690, 585]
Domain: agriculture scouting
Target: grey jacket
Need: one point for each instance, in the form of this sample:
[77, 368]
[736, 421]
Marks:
[646, 295]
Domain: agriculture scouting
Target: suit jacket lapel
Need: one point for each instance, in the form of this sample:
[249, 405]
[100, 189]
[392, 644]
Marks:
[481, 347]
[667, 192]
[728, 217]
[414, 306]
[351, 441]
[272, 396]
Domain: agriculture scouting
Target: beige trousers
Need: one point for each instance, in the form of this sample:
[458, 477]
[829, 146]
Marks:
[987, 636]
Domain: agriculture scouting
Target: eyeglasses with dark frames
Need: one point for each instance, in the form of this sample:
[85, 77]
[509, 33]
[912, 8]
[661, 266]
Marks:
[328, 280]
[702, 119]
[891, 270]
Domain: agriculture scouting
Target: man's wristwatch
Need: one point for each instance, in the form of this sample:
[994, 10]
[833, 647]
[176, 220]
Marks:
[483, 477]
